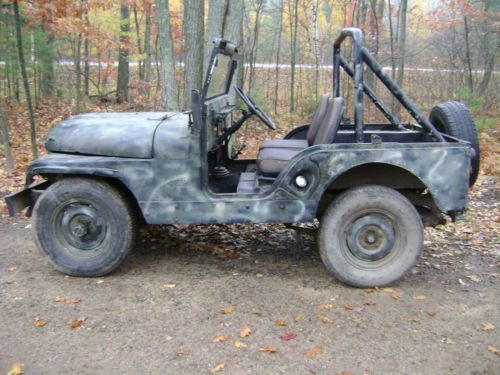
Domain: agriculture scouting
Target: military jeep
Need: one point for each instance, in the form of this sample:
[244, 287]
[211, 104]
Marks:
[371, 186]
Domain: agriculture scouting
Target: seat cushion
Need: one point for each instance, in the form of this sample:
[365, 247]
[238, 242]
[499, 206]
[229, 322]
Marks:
[271, 161]
[285, 143]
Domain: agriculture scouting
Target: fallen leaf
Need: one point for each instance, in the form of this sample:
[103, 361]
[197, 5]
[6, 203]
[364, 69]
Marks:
[169, 286]
[326, 306]
[11, 269]
[413, 319]
[297, 318]
[348, 306]
[67, 301]
[358, 319]
[288, 336]
[245, 332]
[16, 369]
[369, 303]
[39, 323]
[326, 319]
[180, 351]
[240, 345]
[228, 310]
[431, 313]
[313, 352]
[280, 323]
[268, 349]
[395, 295]
[369, 290]
[488, 326]
[388, 290]
[132, 271]
[77, 322]
[217, 368]
[220, 338]
[493, 350]
[474, 278]
[258, 313]
[420, 297]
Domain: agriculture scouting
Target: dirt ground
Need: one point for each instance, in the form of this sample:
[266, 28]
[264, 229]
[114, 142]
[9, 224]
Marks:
[185, 287]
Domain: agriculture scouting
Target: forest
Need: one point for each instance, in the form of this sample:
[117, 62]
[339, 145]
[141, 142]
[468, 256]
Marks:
[59, 58]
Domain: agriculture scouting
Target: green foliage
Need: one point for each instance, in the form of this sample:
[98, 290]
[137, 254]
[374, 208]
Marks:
[485, 122]
[309, 105]
[473, 100]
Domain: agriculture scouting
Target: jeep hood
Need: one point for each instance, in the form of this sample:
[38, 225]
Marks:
[107, 134]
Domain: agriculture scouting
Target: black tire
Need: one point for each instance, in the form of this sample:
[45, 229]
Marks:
[454, 118]
[370, 236]
[84, 226]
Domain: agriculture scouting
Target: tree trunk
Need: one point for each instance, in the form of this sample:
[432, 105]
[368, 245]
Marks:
[86, 55]
[194, 39]
[78, 73]
[293, 51]
[147, 49]
[47, 62]
[391, 39]
[314, 8]
[168, 77]
[467, 56]
[277, 68]
[401, 48]
[139, 43]
[253, 52]
[123, 54]
[4, 135]
[22, 63]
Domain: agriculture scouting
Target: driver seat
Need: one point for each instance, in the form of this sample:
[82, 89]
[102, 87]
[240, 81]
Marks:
[316, 122]
[271, 161]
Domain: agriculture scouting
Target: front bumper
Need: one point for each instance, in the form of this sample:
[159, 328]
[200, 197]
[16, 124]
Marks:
[16, 202]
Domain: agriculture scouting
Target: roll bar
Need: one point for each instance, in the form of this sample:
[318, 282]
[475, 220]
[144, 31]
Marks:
[361, 56]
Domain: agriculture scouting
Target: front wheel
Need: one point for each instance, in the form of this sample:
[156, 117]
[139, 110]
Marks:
[85, 227]
[370, 236]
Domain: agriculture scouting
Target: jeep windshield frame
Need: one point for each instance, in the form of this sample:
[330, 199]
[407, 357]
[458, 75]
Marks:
[224, 48]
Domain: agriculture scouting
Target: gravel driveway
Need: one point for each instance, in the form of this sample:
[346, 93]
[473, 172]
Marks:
[250, 300]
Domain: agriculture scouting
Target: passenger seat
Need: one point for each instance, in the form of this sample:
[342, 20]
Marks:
[317, 119]
[271, 161]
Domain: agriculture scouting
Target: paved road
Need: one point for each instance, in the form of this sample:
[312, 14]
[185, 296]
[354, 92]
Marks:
[159, 313]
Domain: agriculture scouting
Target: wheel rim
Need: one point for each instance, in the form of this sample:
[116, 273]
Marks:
[371, 237]
[81, 227]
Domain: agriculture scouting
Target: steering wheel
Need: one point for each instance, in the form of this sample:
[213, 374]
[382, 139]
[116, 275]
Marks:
[253, 108]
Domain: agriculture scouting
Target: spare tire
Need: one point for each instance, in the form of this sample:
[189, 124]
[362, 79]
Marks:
[454, 118]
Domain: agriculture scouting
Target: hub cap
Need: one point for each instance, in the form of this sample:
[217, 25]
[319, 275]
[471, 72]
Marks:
[371, 237]
[81, 226]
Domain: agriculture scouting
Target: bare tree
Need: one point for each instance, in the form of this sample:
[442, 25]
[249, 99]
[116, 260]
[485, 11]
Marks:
[22, 63]
[403, 10]
[123, 53]
[255, 40]
[278, 50]
[194, 14]
[4, 134]
[147, 46]
[167, 73]
[293, 48]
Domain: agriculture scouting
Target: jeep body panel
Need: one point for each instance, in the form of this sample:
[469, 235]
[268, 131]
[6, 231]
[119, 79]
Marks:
[169, 189]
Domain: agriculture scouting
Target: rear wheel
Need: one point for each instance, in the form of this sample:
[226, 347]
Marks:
[453, 118]
[370, 236]
[84, 227]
